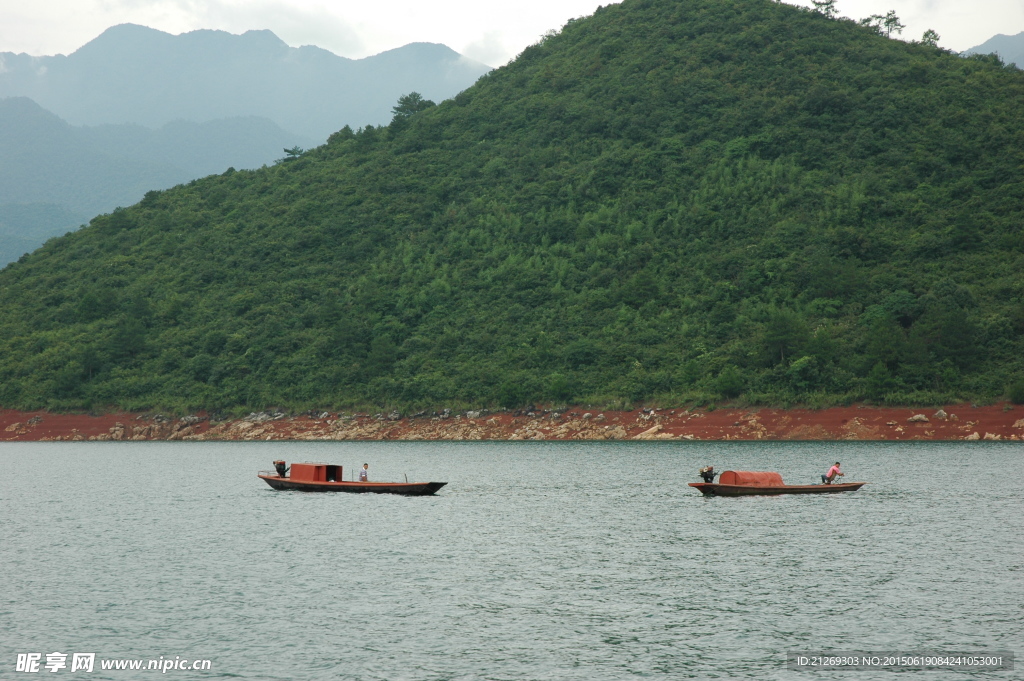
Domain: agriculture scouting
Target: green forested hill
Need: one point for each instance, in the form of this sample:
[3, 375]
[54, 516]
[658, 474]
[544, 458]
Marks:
[667, 201]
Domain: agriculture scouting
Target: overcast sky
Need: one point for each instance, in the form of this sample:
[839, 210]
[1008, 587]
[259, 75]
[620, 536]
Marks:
[491, 32]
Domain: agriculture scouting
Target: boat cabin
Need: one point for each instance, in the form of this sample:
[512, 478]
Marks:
[755, 478]
[316, 472]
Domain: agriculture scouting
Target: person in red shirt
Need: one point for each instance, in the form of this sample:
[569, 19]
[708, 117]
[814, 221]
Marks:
[832, 474]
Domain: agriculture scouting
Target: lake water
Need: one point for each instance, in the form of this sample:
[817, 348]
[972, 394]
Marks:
[537, 561]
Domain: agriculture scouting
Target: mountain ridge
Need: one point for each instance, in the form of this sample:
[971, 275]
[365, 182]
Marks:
[1010, 48]
[135, 74]
[54, 176]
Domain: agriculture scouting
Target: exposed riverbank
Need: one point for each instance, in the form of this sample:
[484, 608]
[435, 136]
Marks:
[952, 422]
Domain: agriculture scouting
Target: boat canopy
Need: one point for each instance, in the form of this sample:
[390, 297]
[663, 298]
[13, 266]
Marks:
[316, 472]
[758, 478]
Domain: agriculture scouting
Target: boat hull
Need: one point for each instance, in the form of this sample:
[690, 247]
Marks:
[719, 490]
[413, 489]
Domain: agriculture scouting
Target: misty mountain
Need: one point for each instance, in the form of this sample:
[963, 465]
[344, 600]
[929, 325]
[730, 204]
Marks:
[26, 226]
[1010, 48]
[134, 74]
[55, 176]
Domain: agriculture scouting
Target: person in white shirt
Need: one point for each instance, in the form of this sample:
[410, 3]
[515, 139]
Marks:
[362, 472]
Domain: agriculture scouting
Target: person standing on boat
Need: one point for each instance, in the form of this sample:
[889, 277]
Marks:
[362, 472]
[832, 474]
[708, 473]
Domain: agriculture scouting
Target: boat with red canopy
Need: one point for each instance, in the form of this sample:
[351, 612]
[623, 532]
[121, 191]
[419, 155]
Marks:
[322, 477]
[741, 483]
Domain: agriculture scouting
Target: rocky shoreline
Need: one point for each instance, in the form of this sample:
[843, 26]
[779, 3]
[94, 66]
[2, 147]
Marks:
[954, 422]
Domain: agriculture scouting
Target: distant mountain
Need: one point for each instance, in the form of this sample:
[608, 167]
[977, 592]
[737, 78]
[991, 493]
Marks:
[166, 109]
[134, 74]
[26, 226]
[199, 148]
[55, 176]
[1010, 48]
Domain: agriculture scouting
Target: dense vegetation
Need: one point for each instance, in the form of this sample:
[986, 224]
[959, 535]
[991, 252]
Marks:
[665, 202]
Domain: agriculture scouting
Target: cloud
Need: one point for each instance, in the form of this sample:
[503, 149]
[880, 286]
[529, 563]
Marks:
[489, 49]
[296, 22]
[296, 25]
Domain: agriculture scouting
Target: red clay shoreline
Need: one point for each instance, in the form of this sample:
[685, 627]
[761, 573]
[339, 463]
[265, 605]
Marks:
[1001, 421]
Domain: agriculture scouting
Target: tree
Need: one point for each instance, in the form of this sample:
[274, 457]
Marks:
[892, 23]
[345, 133]
[382, 356]
[128, 339]
[887, 24]
[886, 343]
[826, 7]
[804, 374]
[512, 394]
[291, 154]
[408, 105]
[874, 22]
[784, 334]
[559, 387]
[730, 383]
[1016, 392]
[879, 382]
[930, 37]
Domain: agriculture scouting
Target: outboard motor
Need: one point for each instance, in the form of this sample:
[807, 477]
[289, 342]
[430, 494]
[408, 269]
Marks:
[282, 468]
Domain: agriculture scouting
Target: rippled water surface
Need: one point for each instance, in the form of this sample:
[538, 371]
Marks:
[537, 561]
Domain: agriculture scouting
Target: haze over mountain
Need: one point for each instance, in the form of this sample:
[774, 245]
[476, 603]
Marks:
[134, 74]
[1010, 48]
[670, 201]
[160, 109]
[54, 176]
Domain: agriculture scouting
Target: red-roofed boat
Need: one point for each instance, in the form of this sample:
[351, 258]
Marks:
[322, 477]
[741, 483]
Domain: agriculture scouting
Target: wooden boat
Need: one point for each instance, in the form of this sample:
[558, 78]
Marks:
[741, 483]
[322, 477]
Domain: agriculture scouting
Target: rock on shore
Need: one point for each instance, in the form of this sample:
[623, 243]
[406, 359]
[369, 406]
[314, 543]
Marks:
[952, 422]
